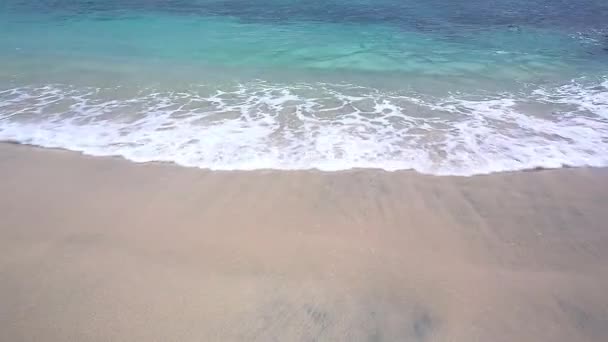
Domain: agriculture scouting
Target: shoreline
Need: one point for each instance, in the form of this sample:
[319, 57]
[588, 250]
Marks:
[312, 170]
[101, 248]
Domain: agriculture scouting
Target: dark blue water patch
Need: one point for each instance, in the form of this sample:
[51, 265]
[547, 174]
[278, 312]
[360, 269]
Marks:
[423, 15]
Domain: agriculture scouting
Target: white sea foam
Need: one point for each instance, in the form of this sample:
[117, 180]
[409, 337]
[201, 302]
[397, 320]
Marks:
[317, 126]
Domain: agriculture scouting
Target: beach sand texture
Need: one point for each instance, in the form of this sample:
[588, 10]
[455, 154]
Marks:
[101, 249]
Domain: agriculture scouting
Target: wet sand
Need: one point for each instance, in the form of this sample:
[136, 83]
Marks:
[101, 249]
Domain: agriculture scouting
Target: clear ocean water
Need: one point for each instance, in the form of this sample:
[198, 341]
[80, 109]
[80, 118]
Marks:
[457, 87]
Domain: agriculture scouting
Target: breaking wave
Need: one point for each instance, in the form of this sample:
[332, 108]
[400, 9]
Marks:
[261, 125]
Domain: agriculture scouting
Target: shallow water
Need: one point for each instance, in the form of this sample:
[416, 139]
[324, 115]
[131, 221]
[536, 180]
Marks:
[464, 87]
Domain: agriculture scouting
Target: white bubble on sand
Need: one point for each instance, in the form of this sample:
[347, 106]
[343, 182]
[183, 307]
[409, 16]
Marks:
[260, 125]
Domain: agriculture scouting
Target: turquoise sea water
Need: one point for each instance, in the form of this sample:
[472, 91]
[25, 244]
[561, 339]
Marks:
[458, 87]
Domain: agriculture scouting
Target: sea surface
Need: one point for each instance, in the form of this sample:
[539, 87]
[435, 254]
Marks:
[459, 87]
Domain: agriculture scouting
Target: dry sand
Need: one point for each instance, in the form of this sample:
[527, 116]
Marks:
[101, 249]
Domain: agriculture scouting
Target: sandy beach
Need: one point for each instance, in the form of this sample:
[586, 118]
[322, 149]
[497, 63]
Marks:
[102, 249]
